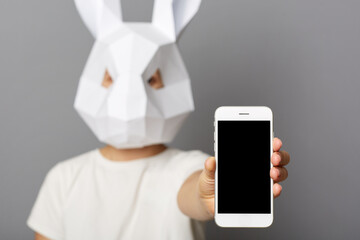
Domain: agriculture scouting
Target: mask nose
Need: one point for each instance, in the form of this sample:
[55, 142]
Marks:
[127, 100]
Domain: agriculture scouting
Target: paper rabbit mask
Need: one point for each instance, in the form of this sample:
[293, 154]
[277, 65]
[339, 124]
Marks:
[135, 90]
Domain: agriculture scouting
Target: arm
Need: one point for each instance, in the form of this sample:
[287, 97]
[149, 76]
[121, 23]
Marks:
[189, 200]
[38, 236]
[196, 196]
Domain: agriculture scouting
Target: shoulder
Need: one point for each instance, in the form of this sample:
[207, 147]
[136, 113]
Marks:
[186, 160]
[47, 212]
[66, 170]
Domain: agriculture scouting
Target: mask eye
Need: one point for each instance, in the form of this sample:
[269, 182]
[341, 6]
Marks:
[156, 81]
[107, 81]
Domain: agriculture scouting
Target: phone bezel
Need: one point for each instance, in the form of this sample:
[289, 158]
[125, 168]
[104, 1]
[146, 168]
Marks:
[242, 113]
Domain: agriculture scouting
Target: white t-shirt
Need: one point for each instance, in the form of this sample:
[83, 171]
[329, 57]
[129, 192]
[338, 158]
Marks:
[89, 197]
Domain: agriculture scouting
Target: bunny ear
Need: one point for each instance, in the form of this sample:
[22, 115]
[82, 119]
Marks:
[172, 16]
[100, 16]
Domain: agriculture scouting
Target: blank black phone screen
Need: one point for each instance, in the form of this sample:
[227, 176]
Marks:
[244, 183]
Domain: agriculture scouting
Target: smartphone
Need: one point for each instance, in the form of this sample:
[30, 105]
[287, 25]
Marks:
[243, 148]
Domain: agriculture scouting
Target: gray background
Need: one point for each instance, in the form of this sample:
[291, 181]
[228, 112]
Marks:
[301, 58]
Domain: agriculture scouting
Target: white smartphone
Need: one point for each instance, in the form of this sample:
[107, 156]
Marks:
[243, 148]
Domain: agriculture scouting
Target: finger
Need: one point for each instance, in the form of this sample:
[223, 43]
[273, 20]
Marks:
[210, 166]
[278, 174]
[277, 143]
[281, 158]
[277, 188]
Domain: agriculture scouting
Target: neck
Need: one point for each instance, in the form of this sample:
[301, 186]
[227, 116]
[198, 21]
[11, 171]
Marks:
[115, 154]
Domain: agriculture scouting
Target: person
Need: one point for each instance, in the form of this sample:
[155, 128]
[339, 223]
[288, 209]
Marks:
[134, 94]
[133, 194]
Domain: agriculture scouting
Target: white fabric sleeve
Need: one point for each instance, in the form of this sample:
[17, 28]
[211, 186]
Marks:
[186, 164]
[45, 217]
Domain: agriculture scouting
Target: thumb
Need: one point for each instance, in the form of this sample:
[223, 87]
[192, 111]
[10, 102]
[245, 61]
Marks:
[209, 170]
[207, 179]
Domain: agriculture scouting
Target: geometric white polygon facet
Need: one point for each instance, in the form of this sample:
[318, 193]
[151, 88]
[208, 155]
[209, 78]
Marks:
[172, 16]
[130, 113]
[100, 16]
